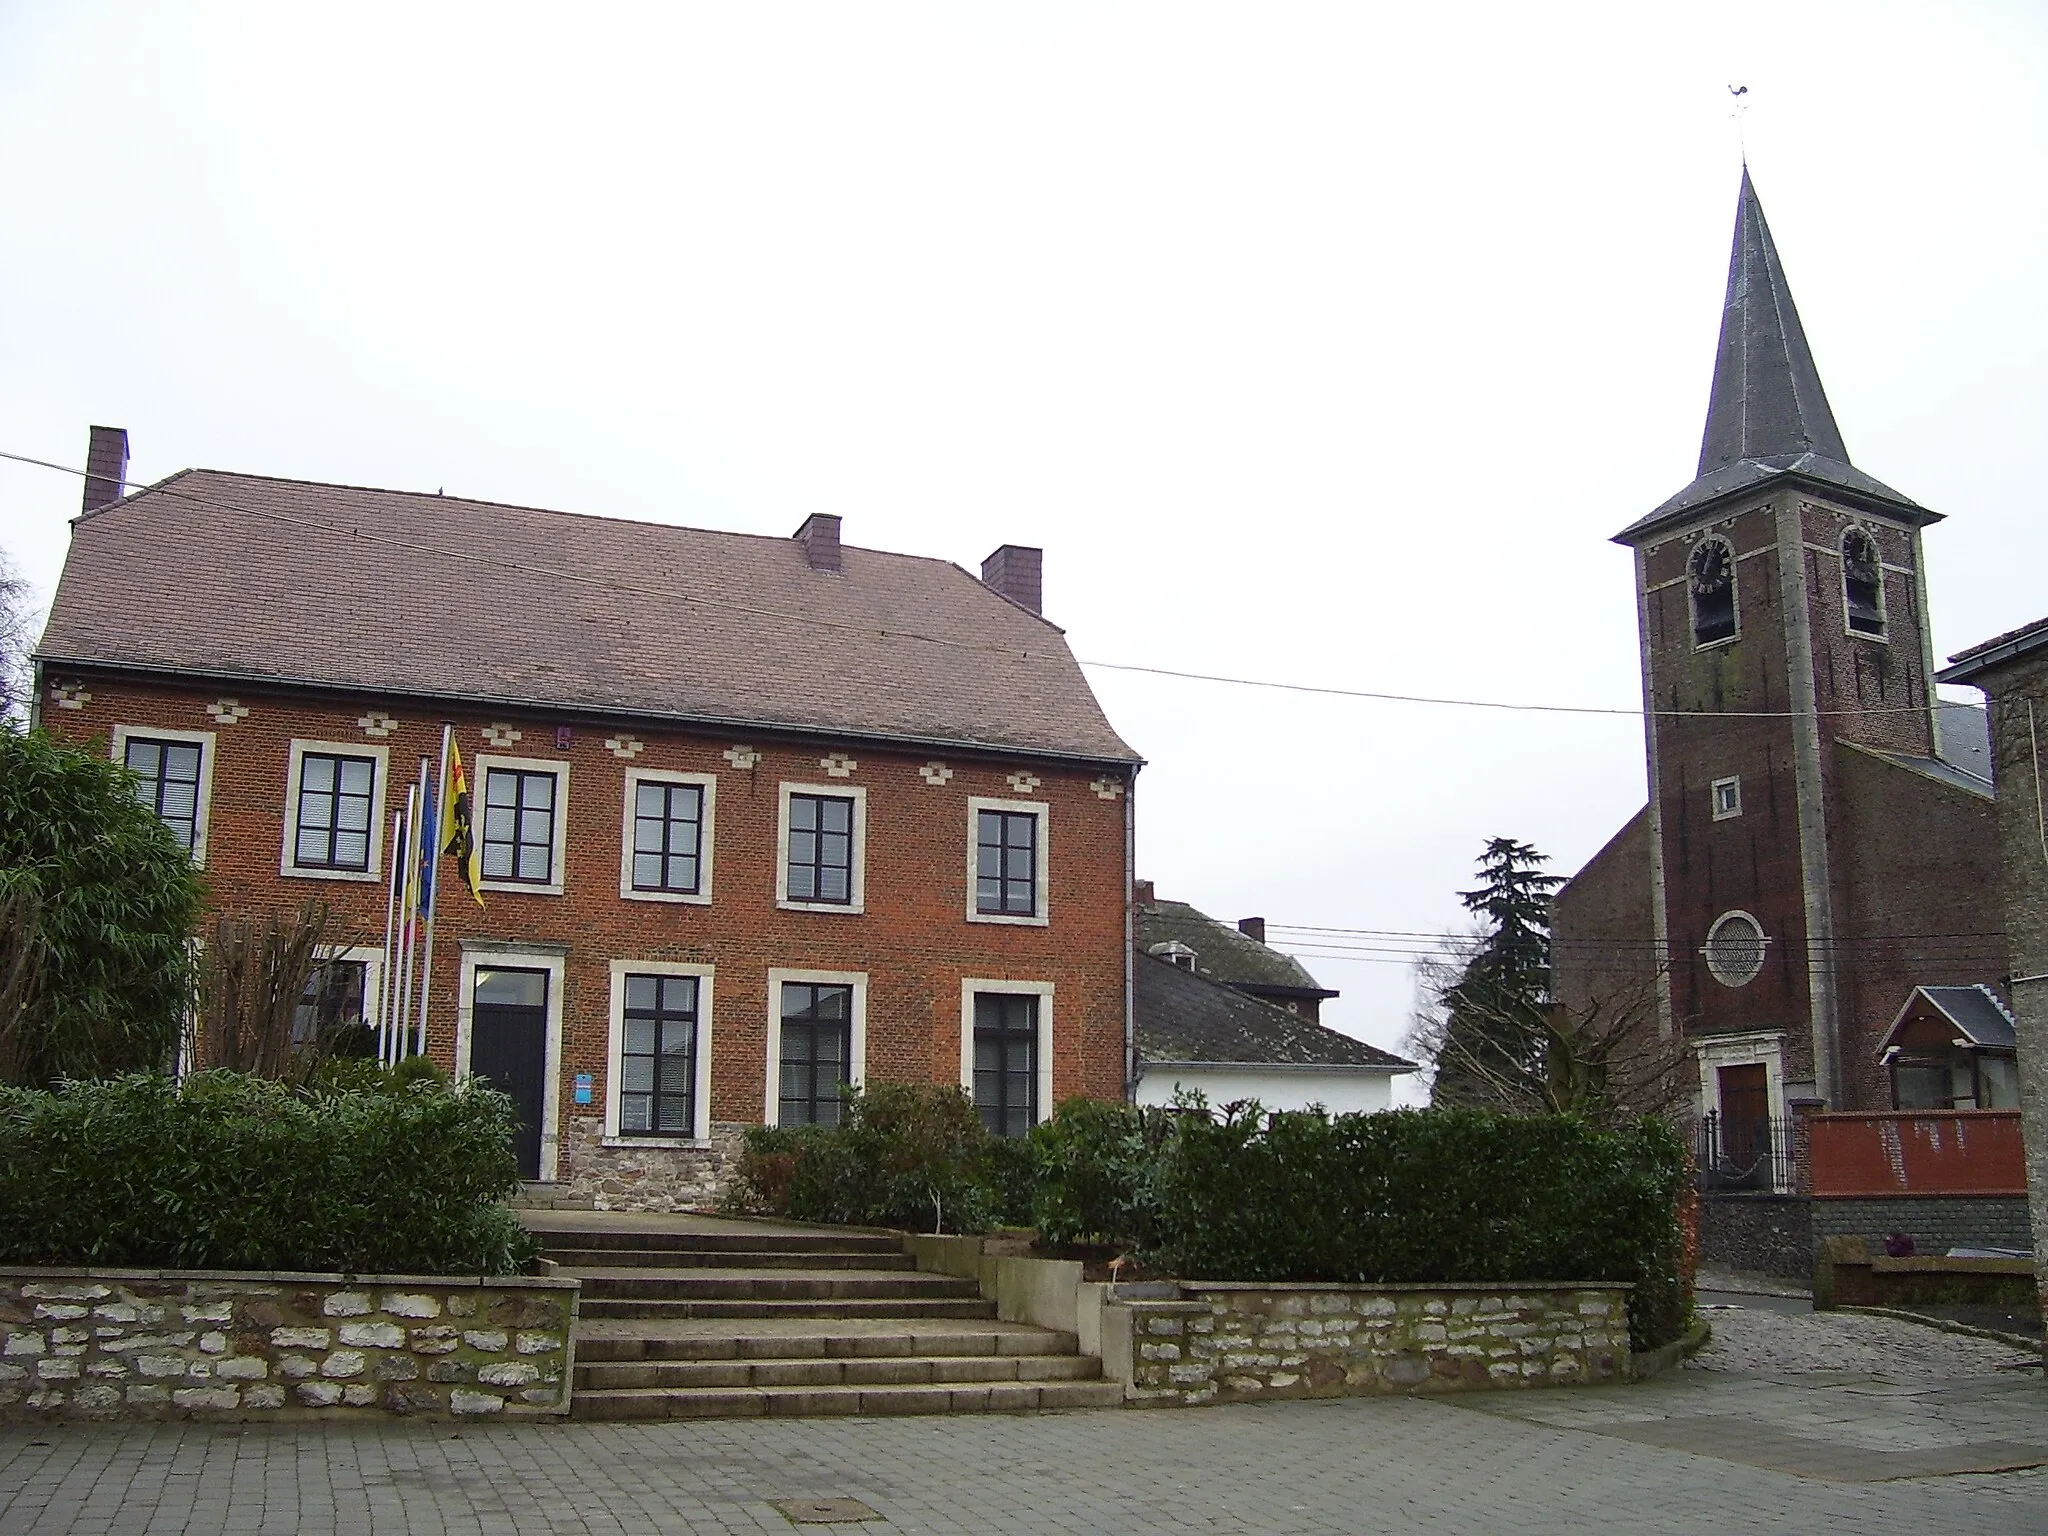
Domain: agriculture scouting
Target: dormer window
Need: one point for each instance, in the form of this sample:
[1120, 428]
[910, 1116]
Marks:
[1173, 952]
[1862, 583]
[1710, 577]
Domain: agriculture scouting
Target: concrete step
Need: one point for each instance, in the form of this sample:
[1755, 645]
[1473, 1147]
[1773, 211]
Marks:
[740, 1240]
[807, 1401]
[913, 1370]
[604, 1306]
[678, 1284]
[605, 1341]
[747, 1258]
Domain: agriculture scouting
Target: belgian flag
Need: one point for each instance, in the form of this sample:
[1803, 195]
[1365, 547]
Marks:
[458, 828]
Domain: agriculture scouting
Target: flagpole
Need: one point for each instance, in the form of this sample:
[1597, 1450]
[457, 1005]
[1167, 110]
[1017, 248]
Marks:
[430, 866]
[385, 976]
[411, 913]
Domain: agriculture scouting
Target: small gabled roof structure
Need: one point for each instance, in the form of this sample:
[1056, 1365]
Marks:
[1182, 1019]
[1222, 953]
[1969, 1016]
[1768, 416]
[391, 593]
[1988, 656]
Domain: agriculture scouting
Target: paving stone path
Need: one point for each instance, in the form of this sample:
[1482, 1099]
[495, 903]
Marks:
[1753, 1339]
[1707, 1451]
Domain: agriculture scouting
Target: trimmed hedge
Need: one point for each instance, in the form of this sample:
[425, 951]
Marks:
[1429, 1195]
[225, 1171]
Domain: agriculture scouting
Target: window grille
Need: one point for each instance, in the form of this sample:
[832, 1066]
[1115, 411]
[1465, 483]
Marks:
[668, 833]
[658, 1057]
[1006, 863]
[1006, 1061]
[820, 848]
[333, 821]
[817, 1052]
[169, 774]
[519, 826]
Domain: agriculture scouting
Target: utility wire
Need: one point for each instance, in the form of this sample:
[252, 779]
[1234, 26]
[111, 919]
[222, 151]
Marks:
[579, 578]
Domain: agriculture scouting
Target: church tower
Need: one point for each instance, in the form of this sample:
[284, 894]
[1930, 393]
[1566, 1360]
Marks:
[1783, 630]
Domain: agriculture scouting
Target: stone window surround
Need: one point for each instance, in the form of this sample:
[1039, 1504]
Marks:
[856, 904]
[1733, 783]
[1043, 991]
[380, 772]
[485, 762]
[528, 955]
[1747, 1049]
[202, 813]
[700, 1093]
[371, 957]
[857, 1029]
[1882, 635]
[708, 782]
[1041, 913]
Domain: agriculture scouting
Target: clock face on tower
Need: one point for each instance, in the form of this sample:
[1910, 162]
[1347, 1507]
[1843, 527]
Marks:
[1710, 574]
[1711, 569]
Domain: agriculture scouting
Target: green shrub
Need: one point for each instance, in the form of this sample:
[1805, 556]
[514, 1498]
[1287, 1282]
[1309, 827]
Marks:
[1096, 1164]
[910, 1155]
[1009, 1172]
[1427, 1196]
[232, 1172]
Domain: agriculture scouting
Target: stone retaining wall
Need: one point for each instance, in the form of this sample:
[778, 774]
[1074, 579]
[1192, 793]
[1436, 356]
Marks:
[1936, 1223]
[1758, 1234]
[154, 1344]
[1240, 1342]
[626, 1176]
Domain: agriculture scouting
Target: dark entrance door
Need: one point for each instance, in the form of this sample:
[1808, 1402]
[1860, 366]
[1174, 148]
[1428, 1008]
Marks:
[508, 1048]
[1746, 1122]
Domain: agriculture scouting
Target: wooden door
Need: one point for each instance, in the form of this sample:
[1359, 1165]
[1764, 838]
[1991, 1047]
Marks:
[1745, 1118]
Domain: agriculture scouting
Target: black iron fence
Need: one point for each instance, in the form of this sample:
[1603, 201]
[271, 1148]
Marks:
[1748, 1154]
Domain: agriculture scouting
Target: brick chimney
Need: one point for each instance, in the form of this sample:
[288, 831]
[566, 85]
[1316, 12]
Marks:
[106, 468]
[820, 539]
[1141, 893]
[1017, 571]
[1252, 928]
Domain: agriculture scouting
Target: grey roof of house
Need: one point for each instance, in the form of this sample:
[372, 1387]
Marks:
[1768, 416]
[1222, 953]
[1976, 1011]
[396, 593]
[1988, 655]
[1966, 738]
[1181, 1017]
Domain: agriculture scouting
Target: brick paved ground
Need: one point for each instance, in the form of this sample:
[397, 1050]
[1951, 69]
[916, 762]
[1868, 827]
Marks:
[1709, 1451]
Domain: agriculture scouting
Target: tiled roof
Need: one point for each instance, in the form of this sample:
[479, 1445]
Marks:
[396, 593]
[1976, 1011]
[1181, 1017]
[1221, 952]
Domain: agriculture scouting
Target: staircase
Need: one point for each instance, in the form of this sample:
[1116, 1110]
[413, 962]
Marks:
[701, 1317]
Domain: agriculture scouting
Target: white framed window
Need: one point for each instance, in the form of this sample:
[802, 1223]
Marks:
[345, 988]
[1006, 1051]
[658, 1063]
[1727, 798]
[1006, 861]
[821, 848]
[666, 839]
[817, 1040]
[334, 811]
[494, 958]
[521, 813]
[174, 770]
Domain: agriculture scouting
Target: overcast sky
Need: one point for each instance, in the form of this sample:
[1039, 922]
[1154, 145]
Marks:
[1315, 344]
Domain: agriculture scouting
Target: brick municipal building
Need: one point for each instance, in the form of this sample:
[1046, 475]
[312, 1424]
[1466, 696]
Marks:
[757, 816]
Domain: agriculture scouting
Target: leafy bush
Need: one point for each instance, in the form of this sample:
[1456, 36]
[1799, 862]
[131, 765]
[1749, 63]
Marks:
[232, 1172]
[1096, 1167]
[907, 1155]
[1428, 1195]
[97, 904]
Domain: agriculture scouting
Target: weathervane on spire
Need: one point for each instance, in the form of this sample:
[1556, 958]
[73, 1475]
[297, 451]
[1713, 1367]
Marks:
[1738, 92]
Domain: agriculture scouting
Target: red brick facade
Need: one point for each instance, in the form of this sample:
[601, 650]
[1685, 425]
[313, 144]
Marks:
[913, 941]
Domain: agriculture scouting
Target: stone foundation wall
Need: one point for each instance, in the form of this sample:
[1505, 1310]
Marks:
[1936, 1223]
[156, 1344]
[1759, 1234]
[1241, 1343]
[622, 1176]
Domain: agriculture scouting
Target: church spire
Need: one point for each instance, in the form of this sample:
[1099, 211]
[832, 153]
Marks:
[1768, 418]
[1767, 397]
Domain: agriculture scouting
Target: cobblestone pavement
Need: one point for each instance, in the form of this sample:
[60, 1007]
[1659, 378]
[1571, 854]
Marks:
[1708, 1451]
[1755, 1338]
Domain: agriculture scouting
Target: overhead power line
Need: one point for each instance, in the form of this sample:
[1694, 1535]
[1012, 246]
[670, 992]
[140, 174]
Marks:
[750, 610]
